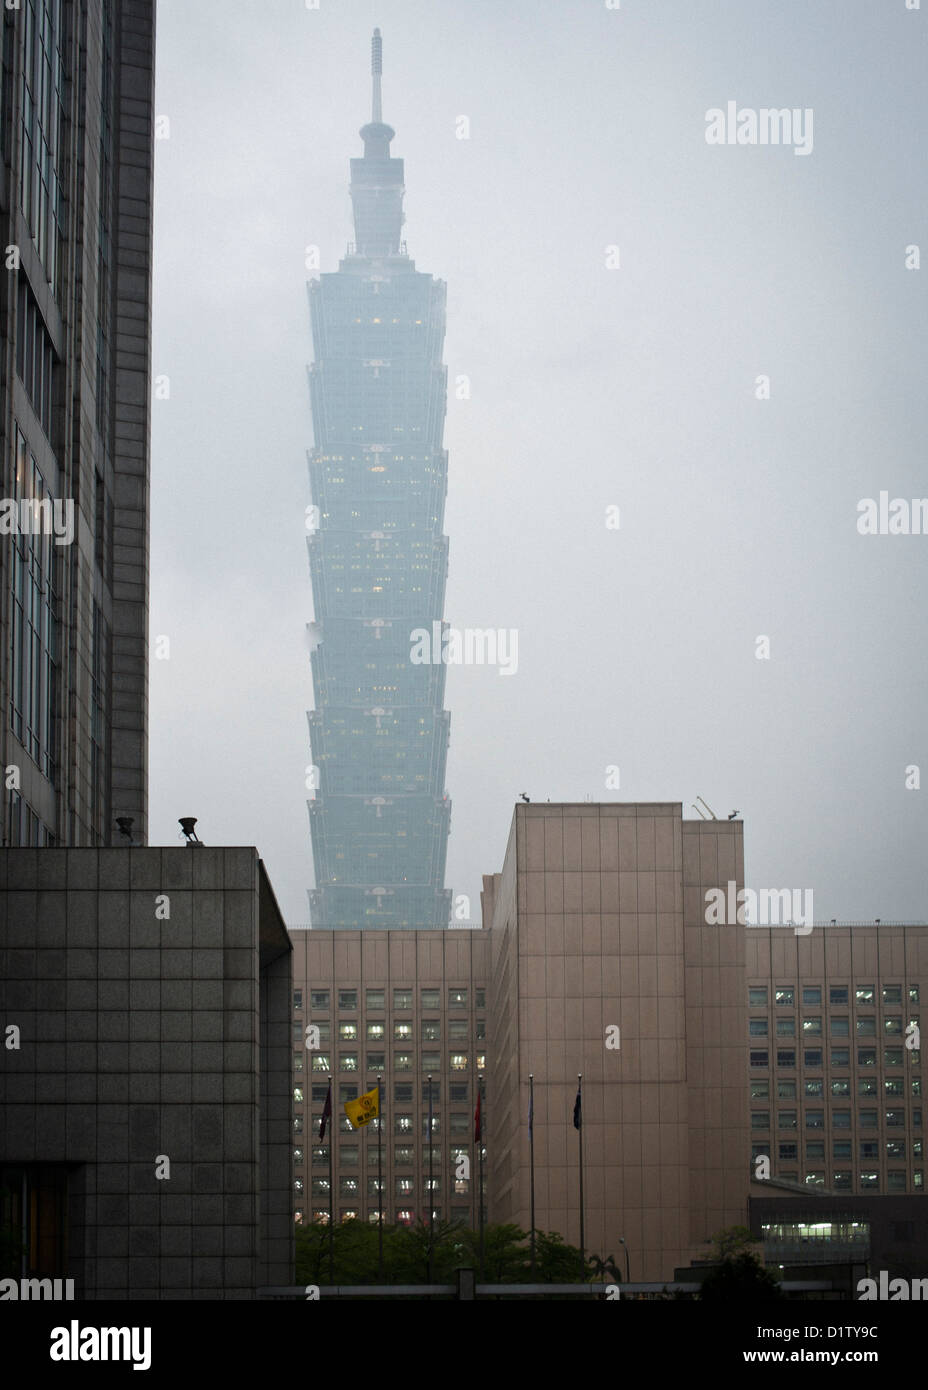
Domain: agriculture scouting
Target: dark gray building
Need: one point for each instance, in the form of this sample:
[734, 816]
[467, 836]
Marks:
[76, 157]
[145, 1107]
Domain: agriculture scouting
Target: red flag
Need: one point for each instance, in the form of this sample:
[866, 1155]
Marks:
[326, 1114]
[478, 1125]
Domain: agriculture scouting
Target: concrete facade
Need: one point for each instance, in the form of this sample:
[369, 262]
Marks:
[151, 993]
[598, 922]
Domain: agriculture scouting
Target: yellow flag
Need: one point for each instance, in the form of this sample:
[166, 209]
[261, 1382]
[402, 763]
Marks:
[361, 1111]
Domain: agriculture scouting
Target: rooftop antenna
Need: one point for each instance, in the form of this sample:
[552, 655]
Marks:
[376, 71]
[698, 812]
[712, 814]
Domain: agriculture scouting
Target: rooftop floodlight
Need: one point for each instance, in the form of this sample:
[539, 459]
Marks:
[186, 824]
[124, 824]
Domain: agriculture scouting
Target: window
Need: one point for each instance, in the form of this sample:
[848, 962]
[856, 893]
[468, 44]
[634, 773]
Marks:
[895, 1181]
[457, 1029]
[319, 998]
[431, 998]
[786, 1057]
[402, 1061]
[786, 1090]
[348, 1061]
[789, 1153]
[867, 1119]
[812, 1027]
[402, 1092]
[404, 1187]
[841, 1148]
[375, 998]
[869, 1148]
[895, 1148]
[864, 994]
[404, 1217]
[840, 1057]
[348, 1155]
[786, 997]
[320, 1187]
[480, 998]
[298, 1095]
[458, 1061]
[815, 1148]
[375, 1186]
[457, 998]
[760, 1119]
[376, 1032]
[347, 1090]
[347, 1187]
[758, 1059]
[841, 1088]
[403, 1155]
[786, 1027]
[760, 1090]
[757, 997]
[436, 1125]
[815, 1119]
[841, 1119]
[321, 1062]
[376, 1061]
[33, 556]
[347, 998]
[893, 1057]
[786, 1119]
[297, 1061]
[297, 1000]
[431, 1062]
[757, 1027]
[298, 1124]
[480, 1030]
[459, 1092]
[892, 994]
[812, 994]
[866, 1026]
[348, 1032]
[838, 994]
[841, 1180]
[895, 1117]
[815, 1179]
[894, 1086]
[320, 1155]
[480, 1061]
[434, 1091]
[431, 1030]
[812, 1058]
[815, 1088]
[868, 1086]
[866, 1057]
[402, 1124]
[913, 996]
[460, 1124]
[402, 999]
[916, 1148]
[402, 1032]
[840, 1028]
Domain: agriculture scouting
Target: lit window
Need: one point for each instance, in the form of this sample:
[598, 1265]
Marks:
[348, 1032]
[457, 998]
[785, 998]
[459, 1061]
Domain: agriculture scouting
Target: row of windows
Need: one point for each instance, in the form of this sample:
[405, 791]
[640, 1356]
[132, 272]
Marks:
[35, 357]
[842, 1181]
[403, 1216]
[840, 1057]
[458, 1092]
[402, 1061]
[840, 1119]
[404, 1155]
[403, 1187]
[458, 1124]
[402, 998]
[785, 995]
[842, 1148]
[866, 1086]
[838, 1026]
[429, 1031]
[34, 562]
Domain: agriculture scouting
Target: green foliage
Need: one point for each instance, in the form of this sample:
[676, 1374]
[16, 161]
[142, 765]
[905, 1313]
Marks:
[734, 1240]
[506, 1254]
[740, 1278]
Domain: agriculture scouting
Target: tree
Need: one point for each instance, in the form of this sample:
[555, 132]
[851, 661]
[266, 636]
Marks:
[739, 1275]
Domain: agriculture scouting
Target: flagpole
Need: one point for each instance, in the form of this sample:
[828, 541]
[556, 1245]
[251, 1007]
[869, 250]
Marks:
[480, 1153]
[580, 1139]
[379, 1179]
[331, 1186]
[531, 1155]
[431, 1189]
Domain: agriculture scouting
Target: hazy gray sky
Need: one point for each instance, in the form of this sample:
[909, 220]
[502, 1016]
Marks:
[590, 387]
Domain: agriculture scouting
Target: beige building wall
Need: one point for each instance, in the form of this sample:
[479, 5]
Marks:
[598, 922]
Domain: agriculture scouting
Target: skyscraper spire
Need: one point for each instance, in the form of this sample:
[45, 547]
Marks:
[376, 70]
[377, 179]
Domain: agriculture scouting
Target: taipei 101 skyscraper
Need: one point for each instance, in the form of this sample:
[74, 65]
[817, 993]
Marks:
[378, 562]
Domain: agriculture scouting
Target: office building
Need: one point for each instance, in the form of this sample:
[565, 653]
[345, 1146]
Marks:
[378, 560]
[76, 213]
